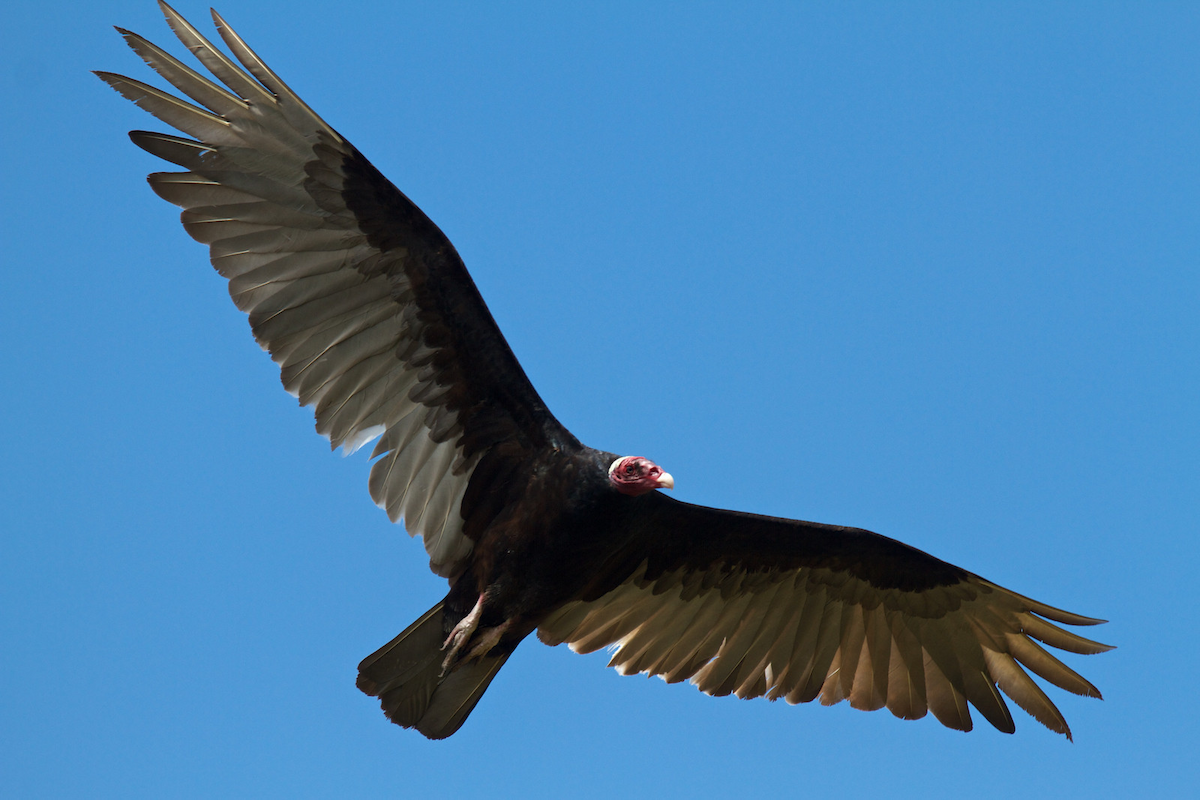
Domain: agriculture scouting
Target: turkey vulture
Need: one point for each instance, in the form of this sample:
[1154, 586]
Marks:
[375, 323]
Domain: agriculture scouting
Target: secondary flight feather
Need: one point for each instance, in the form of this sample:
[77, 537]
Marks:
[376, 324]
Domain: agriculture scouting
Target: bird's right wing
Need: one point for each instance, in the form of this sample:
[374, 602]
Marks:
[361, 300]
[751, 605]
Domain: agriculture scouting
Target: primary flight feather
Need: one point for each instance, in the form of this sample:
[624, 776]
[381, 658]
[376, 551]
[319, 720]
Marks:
[376, 324]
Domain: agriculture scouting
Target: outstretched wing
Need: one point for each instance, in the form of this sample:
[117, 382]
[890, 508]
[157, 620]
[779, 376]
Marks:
[749, 605]
[361, 300]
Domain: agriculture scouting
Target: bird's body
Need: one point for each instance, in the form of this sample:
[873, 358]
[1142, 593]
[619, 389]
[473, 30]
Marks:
[540, 554]
[377, 325]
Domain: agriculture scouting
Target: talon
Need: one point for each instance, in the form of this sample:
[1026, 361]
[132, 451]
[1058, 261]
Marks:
[461, 633]
[487, 640]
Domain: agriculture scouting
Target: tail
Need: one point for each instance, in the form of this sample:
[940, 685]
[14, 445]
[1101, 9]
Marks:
[406, 675]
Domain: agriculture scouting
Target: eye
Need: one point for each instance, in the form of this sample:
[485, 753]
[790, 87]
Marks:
[629, 469]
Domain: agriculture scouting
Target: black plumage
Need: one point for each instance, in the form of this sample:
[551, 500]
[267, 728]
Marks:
[376, 324]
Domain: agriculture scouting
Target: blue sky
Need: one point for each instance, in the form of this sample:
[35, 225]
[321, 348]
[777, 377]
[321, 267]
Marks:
[926, 269]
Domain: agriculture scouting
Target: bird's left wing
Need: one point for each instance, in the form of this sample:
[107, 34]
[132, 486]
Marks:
[361, 300]
[749, 605]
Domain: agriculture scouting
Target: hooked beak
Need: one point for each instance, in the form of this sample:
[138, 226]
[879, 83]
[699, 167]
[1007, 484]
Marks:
[665, 481]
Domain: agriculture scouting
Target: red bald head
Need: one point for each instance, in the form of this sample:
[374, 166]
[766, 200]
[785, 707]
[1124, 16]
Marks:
[634, 475]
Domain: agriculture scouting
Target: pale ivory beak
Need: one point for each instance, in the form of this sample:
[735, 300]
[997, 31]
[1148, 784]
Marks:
[665, 481]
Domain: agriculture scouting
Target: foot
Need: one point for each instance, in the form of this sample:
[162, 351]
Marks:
[487, 640]
[461, 633]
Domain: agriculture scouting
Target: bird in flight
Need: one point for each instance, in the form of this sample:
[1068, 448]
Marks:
[377, 326]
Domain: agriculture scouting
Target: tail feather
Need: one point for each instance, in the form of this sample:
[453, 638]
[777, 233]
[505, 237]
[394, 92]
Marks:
[406, 676]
